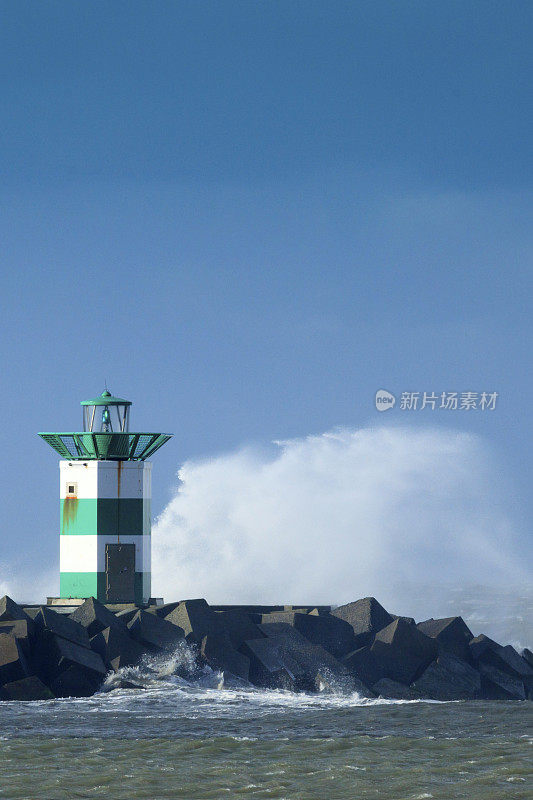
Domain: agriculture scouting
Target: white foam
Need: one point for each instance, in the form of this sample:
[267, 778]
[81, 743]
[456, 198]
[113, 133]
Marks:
[340, 515]
[177, 677]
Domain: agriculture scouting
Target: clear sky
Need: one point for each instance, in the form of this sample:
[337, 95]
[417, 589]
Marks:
[247, 217]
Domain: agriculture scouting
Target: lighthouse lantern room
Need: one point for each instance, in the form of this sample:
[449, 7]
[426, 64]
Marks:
[105, 504]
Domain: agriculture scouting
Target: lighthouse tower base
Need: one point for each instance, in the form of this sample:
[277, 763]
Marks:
[105, 541]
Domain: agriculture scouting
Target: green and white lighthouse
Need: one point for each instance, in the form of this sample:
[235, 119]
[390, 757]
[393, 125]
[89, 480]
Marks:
[105, 504]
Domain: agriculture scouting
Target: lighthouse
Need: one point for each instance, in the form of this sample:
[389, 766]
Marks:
[105, 491]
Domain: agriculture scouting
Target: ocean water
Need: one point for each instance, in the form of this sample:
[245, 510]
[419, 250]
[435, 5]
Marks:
[196, 738]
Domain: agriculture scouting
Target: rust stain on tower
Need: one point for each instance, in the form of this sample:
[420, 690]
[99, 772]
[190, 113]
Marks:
[70, 511]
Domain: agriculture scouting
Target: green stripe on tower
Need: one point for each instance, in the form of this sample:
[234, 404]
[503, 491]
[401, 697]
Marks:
[80, 584]
[105, 517]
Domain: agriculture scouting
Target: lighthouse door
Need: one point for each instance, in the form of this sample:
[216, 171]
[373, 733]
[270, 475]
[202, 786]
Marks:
[120, 573]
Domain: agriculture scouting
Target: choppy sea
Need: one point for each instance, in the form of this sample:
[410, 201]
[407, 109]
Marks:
[175, 739]
[197, 738]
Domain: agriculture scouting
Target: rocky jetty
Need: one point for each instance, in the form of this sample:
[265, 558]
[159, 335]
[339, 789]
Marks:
[50, 652]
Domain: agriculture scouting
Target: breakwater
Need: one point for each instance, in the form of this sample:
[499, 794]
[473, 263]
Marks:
[358, 648]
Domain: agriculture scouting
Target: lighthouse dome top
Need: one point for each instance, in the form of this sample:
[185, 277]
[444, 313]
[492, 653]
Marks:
[106, 434]
[106, 399]
[106, 414]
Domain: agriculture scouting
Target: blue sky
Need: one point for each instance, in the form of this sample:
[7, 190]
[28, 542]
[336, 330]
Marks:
[249, 216]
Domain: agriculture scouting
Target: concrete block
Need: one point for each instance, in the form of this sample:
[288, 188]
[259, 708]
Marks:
[31, 688]
[153, 632]
[452, 636]
[238, 626]
[31, 611]
[366, 616]
[403, 652]
[94, 617]
[196, 619]
[364, 665]
[13, 664]
[392, 690]
[163, 610]
[75, 681]
[311, 659]
[448, 678]
[516, 663]
[116, 648]
[126, 615]
[21, 629]
[55, 655]
[61, 625]
[267, 667]
[486, 651]
[10, 611]
[256, 610]
[498, 685]
[480, 645]
[332, 633]
[118, 608]
[217, 650]
[527, 655]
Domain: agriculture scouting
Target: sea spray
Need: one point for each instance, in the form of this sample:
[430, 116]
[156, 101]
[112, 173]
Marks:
[346, 513]
[182, 668]
[179, 667]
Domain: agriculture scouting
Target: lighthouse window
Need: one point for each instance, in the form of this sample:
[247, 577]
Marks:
[72, 489]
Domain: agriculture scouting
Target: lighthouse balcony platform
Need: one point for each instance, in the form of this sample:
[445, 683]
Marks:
[109, 446]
